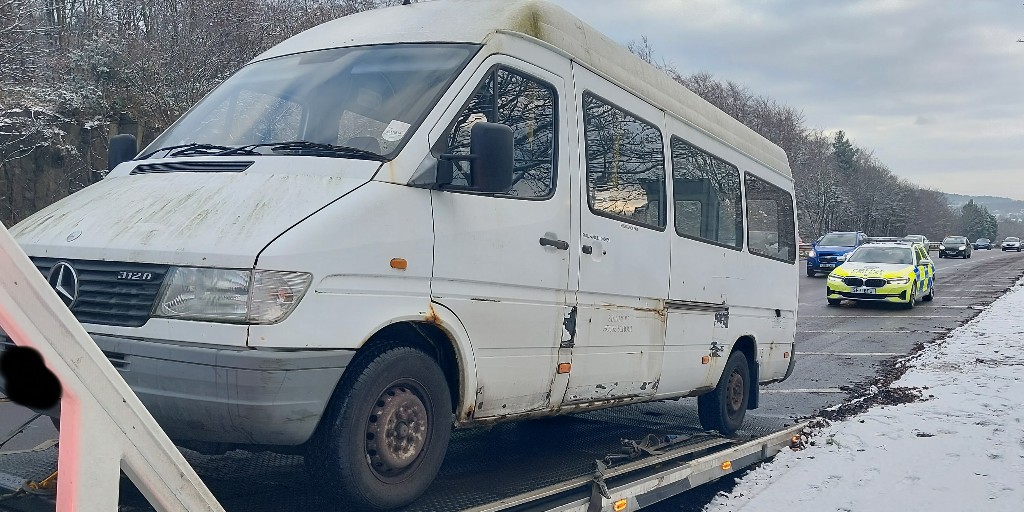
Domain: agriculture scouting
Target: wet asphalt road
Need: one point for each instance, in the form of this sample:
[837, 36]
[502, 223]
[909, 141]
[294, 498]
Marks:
[837, 347]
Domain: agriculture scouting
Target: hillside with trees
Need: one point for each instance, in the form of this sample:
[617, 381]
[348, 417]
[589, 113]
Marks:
[73, 73]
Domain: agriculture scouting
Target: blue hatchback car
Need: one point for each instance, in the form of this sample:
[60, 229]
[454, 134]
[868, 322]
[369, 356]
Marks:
[825, 253]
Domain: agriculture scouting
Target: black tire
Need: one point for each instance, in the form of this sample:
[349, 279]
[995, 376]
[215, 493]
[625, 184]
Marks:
[724, 408]
[389, 392]
[931, 292]
[913, 296]
[835, 302]
[811, 273]
[941, 256]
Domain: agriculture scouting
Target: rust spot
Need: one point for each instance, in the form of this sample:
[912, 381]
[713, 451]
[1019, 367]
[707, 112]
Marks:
[431, 315]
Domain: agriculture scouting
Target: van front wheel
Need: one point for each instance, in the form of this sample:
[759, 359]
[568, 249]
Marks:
[385, 433]
[724, 408]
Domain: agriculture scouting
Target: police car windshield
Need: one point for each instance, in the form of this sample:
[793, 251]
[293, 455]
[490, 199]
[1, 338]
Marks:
[839, 239]
[895, 255]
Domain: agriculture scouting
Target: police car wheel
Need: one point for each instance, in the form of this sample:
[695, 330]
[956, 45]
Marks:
[913, 296]
[835, 302]
[385, 433]
[931, 293]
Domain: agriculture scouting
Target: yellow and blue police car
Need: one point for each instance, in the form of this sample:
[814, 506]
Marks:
[888, 272]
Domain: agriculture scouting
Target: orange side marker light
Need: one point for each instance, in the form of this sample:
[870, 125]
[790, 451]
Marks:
[620, 505]
[705, 359]
[564, 367]
[399, 263]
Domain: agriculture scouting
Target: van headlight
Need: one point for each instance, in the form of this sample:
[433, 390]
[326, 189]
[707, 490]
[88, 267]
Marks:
[898, 280]
[230, 296]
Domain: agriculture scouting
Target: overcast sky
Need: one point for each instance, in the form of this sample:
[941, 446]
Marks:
[935, 88]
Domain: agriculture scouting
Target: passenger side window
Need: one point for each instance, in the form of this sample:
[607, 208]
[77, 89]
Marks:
[528, 107]
[625, 164]
[706, 191]
[770, 227]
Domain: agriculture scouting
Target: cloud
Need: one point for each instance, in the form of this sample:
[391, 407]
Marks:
[927, 86]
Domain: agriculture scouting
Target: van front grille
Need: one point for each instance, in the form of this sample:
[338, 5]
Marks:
[110, 292]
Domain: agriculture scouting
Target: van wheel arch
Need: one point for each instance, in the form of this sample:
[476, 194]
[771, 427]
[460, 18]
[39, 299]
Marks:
[430, 339]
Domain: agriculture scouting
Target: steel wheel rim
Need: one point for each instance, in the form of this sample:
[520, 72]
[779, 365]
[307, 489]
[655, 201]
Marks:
[735, 394]
[397, 430]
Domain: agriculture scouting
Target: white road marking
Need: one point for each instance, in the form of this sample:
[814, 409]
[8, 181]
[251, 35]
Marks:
[851, 354]
[878, 316]
[804, 390]
[894, 331]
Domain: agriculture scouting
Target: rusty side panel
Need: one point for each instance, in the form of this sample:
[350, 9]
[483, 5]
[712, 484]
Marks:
[569, 329]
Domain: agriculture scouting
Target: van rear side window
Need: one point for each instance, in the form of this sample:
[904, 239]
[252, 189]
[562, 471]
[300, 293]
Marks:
[706, 190]
[770, 229]
[625, 164]
[528, 107]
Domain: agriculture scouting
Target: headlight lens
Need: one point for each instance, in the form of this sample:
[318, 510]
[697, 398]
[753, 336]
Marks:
[942, 247]
[899, 280]
[811, 253]
[962, 247]
[230, 296]
[833, 277]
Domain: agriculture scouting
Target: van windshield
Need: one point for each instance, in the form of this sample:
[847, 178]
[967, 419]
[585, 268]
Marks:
[368, 98]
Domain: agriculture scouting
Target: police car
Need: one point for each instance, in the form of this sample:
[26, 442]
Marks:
[887, 272]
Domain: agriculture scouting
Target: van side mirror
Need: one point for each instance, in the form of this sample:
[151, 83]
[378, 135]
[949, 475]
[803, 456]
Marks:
[491, 160]
[122, 149]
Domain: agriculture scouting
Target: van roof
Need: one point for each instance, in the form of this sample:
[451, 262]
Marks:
[476, 21]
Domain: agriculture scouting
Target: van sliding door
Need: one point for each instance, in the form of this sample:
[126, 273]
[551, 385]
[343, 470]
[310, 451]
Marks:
[624, 249]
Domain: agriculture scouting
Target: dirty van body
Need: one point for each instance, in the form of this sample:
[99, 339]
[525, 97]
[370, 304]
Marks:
[366, 237]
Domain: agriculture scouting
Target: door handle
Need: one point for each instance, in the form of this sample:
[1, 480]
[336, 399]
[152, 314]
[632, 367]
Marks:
[588, 249]
[561, 245]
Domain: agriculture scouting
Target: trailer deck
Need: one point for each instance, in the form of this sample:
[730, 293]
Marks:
[534, 465]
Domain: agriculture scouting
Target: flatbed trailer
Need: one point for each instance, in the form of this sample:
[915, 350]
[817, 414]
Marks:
[625, 458]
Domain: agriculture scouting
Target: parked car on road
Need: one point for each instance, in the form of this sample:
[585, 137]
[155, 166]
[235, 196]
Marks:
[983, 243]
[824, 254]
[955, 247]
[886, 272]
[1011, 243]
[920, 239]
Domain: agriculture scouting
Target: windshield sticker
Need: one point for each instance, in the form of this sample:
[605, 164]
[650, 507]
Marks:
[395, 131]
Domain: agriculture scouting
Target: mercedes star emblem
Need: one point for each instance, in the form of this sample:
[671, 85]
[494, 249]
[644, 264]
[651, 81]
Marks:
[64, 281]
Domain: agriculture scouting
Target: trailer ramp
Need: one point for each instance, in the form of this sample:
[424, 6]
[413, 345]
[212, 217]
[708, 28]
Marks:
[533, 465]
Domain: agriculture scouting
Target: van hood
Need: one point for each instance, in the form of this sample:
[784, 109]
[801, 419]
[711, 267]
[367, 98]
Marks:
[182, 218]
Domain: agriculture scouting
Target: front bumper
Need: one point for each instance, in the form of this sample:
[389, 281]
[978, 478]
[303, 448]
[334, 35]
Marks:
[953, 253]
[826, 263]
[233, 396]
[888, 293]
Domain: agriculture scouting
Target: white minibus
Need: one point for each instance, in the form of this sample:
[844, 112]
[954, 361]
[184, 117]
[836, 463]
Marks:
[437, 215]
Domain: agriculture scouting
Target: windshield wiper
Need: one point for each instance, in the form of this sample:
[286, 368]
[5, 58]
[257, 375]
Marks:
[196, 148]
[314, 147]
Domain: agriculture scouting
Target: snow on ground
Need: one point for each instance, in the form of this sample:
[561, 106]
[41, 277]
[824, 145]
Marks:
[962, 449]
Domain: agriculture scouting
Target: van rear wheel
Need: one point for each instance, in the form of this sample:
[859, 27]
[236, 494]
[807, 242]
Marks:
[724, 408]
[385, 433]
